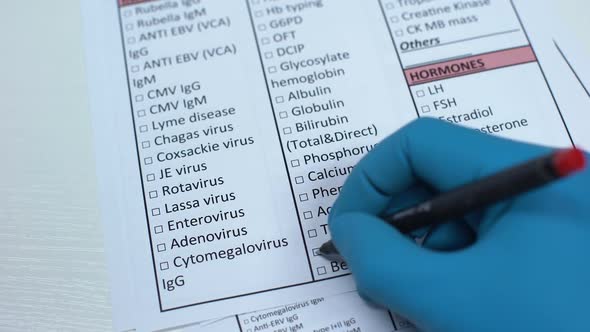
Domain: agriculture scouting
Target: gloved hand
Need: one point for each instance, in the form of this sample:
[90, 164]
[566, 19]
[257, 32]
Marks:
[525, 265]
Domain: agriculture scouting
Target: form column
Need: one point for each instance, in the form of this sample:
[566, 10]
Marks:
[208, 153]
[330, 99]
[471, 63]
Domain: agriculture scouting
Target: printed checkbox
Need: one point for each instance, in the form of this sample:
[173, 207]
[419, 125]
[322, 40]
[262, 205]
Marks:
[268, 55]
[156, 212]
[280, 99]
[312, 233]
[303, 198]
[426, 109]
[283, 115]
[159, 229]
[129, 27]
[287, 130]
[272, 69]
[389, 5]
[131, 40]
[153, 194]
[299, 180]
[265, 41]
[151, 177]
[394, 19]
[145, 144]
[295, 163]
[148, 161]
[127, 13]
[161, 247]
[246, 321]
[307, 215]
[255, 2]
[139, 98]
[262, 27]
[134, 69]
[141, 113]
[164, 266]
[399, 33]
[259, 13]
[321, 270]
[315, 251]
[420, 93]
[143, 129]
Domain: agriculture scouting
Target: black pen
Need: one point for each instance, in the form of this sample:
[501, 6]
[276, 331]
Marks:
[481, 193]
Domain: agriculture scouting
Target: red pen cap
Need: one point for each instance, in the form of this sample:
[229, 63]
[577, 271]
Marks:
[569, 161]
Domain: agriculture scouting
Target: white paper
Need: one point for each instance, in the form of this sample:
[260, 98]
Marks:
[341, 313]
[224, 130]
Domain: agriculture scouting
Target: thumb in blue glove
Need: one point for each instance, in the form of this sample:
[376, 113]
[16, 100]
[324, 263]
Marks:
[528, 270]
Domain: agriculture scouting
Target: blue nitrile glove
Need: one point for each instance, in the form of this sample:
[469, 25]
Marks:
[528, 270]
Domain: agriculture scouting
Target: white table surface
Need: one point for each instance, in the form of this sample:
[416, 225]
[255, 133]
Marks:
[53, 272]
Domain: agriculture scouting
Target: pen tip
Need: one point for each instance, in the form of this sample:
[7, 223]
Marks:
[329, 251]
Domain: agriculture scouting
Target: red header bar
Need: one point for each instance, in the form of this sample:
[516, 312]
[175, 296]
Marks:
[470, 65]
[123, 3]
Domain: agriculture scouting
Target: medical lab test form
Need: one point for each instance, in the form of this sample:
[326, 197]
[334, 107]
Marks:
[225, 129]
